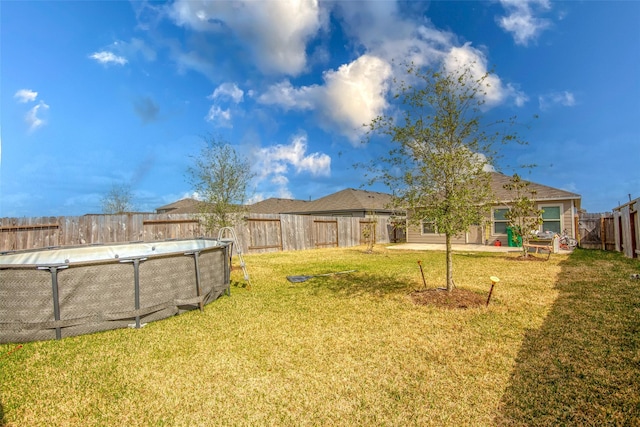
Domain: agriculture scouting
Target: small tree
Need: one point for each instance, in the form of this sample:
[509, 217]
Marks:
[117, 200]
[439, 161]
[523, 217]
[220, 176]
[369, 232]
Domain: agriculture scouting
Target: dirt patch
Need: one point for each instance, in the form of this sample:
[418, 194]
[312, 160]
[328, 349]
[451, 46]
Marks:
[456, 299]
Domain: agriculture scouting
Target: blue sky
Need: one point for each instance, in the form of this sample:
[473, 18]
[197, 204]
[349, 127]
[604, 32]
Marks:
[102, 93]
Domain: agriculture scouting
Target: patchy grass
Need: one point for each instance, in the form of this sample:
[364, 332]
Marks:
[557, 345]
[582, 367]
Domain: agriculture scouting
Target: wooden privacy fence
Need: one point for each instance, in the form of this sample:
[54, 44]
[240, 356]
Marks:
[256, 233]
[596, 231]
[626, 220]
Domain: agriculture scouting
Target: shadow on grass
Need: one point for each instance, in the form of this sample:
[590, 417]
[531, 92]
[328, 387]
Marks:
[582, 367]
[360, 283]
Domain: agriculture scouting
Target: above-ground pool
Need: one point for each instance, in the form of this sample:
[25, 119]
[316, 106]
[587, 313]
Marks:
[67, 291]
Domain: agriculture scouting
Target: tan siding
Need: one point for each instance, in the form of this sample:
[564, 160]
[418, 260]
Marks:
[414, 235]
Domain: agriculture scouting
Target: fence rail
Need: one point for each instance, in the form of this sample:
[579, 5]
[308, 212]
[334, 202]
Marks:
[596, 231]
[256, 233]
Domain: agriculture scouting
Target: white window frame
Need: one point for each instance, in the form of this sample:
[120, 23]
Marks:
[433, 224]
[493, 220]
[560, 207]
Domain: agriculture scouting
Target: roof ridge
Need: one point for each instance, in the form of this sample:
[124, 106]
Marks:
[548, 192]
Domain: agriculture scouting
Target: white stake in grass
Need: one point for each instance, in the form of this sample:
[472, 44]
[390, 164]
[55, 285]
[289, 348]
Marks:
[494, 280]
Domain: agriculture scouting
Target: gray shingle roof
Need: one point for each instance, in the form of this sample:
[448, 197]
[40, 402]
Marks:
[543, 192]
[349, 199]
[276, 206]
[187, 205]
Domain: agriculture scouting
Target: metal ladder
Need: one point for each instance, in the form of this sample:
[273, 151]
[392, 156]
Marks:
[238, 247]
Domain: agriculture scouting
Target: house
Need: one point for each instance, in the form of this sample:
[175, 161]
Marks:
[182, 206]
[277, 206]
[370, 206]
[348, 202]
[560, 209]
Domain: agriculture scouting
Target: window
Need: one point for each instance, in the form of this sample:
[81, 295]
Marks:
[551, 219]
[499, 221]
[429, 227]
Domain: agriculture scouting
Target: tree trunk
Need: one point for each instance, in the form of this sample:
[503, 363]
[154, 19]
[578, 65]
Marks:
[450, 284]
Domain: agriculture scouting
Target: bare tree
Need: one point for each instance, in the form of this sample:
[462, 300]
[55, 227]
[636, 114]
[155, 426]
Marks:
[220, 176]
[441, 151]
[118, 200]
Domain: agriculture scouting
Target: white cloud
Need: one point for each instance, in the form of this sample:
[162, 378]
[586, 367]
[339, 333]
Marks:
[219, 116]
[411, 41]
[26, 95]
[273, 163]
[105, 57]
[276, 36]
[284, 193]
[228, 91]
[275, 32]
[384, 30]
[486, 166]
[286, 96]
[355, 94]
[276, 159]
[564, 99]
[225, 92]
[519, 97]
[32, 117]
[118, 52]
[469, 58]
[521, 21]
[351, 96]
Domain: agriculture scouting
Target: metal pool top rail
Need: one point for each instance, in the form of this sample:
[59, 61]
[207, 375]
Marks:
[96, 253]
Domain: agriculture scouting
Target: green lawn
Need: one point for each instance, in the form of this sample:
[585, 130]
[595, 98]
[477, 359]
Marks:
[558, 345]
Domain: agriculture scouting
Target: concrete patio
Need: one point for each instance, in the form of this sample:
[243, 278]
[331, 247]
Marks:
[460, 248]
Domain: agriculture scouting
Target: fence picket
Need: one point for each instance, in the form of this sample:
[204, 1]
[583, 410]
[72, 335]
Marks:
[258, 232]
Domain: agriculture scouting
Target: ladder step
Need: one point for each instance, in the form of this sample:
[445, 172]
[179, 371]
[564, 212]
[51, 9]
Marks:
[238, 250]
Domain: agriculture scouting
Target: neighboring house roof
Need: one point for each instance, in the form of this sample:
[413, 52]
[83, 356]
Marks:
[348, 200]
[187, 205]
[543, 192]
[277, 206]
[353, 200]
